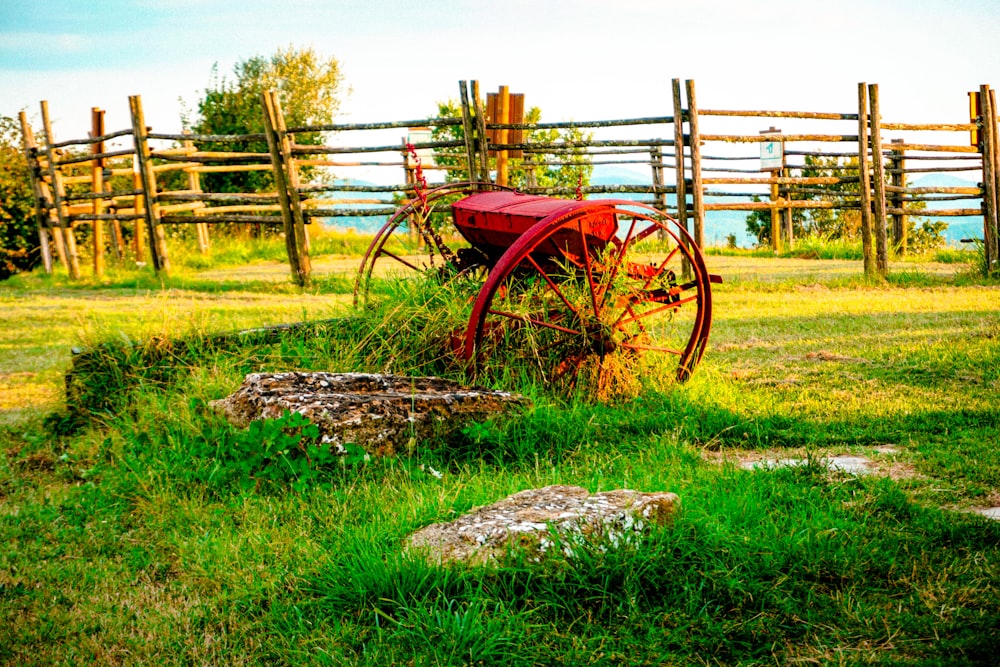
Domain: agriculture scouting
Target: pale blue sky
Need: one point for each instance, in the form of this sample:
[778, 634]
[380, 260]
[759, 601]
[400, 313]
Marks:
[582, 59]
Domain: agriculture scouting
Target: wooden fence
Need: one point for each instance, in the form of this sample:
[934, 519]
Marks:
[79, 182]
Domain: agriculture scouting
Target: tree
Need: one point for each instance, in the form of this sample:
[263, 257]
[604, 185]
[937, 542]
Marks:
[829, 223]
[531, 170]
[19, 244]
[309, 88]
[844, 223]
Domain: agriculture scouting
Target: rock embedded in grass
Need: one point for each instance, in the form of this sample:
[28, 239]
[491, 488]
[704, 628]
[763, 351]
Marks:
[537, 522]
[382, 414]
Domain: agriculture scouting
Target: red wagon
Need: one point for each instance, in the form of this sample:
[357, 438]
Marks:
[578, 279]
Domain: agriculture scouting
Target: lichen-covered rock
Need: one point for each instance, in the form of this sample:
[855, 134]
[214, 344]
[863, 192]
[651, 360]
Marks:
[528, 519]
[382, 414]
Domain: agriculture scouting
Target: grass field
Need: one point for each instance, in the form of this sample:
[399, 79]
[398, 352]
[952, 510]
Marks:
[137, 539]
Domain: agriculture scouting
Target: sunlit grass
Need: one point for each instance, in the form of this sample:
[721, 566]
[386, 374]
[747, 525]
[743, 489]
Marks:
[121, 548]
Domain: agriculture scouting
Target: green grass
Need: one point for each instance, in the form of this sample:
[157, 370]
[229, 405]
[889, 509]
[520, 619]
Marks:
[160, 534]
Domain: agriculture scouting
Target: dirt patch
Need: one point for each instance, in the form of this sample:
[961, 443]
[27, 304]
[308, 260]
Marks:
[826, 355]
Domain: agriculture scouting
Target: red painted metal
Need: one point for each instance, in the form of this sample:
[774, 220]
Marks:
[602, 323]
[493, 222]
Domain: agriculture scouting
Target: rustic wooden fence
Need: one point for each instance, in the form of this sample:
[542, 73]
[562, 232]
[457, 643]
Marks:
[78, 182]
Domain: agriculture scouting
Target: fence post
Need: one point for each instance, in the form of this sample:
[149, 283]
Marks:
[881, 240]
[469, 132]
[410, 179]
[681, 197]
[993, 258]
[865, 177]
[97, 186]
[697, 194]
[151, 208]
[58, 198]
[656, 162]
[194, 184]
[40, 196]
[503, 116]
[897, 177]
[787, 211]
[484, 144]
[291, 211]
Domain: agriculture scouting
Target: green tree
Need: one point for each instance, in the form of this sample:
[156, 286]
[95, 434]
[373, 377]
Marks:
[843, 223]
[531, 170]
[309, 88]
[19, 244]
[829, 223]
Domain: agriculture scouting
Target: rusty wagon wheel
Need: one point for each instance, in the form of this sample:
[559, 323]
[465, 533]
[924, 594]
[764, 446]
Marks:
[575, 296]
[411, 242]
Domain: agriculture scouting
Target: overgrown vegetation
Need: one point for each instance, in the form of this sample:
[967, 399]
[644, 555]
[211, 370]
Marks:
[158, 533]
[20, 249]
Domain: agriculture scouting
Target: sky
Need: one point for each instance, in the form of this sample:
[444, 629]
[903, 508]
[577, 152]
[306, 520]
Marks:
[575, 59]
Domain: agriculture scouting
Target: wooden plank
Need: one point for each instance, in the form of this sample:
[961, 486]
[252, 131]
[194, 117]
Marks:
[194, 185]
[503, 111]
[58, 193]
[991, 200]
[147, 181]
[787, 211]
[781, 180]
[97, 185]
[897, 177]
[878, 169]
[757, 138]
[516, 116]
[90, 157]
[697, 193]
[138, 206]
[994, 265]
[39, 197]
[679, 170]
[780, 114]
[468, 132]
[937, 127]
[483, 140]
[865, 180]
[291, 213]
[492, 115]
[938, 212]
[774, 205]
[92, 140]
[938, 148]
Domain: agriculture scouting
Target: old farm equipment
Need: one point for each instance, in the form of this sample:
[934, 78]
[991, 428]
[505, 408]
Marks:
[574, 280]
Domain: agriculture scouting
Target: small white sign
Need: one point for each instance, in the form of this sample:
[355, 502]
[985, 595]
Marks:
[772, 154]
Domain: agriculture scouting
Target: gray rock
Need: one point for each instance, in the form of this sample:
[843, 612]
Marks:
[528, 519]
[382, 414]
[850, 465]
[990, 513]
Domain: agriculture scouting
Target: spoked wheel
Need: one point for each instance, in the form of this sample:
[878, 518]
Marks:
[585, 296]
[411, 242]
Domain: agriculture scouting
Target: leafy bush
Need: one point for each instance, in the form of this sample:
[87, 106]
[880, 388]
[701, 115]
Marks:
[19, 246]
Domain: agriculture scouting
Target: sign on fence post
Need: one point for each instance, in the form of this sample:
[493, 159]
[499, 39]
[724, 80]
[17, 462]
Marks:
[772, 151]
[772, 159]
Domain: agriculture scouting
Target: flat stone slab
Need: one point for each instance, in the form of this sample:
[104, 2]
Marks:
[990, 513]
[528, 518]
[382, 414]
[851, 465]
